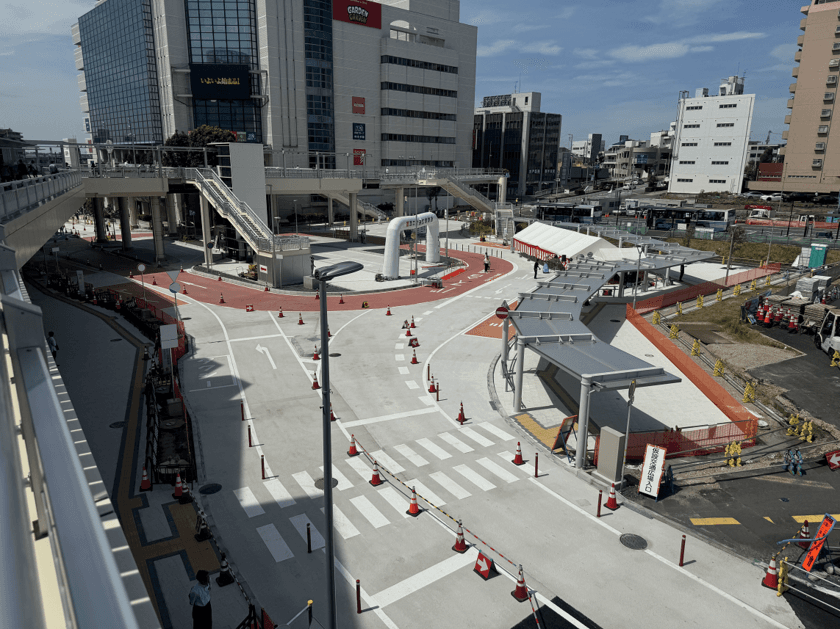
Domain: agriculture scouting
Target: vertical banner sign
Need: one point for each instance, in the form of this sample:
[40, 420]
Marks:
[361, 12]
[814, 550]
[358, 131]
[358, 157]
[358, 105]
[652, 470]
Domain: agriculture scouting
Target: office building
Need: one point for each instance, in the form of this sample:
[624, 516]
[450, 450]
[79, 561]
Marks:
[327, 83]
[711, 142]
[510, 132]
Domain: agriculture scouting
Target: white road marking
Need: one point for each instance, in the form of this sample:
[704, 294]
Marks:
[300, 522]
[281, 496]
[474, 477]
[343, 525]
[257, 338]
[395, 499]
[264, 350]
[274, 542]
[508, 458]
[411, 455]
[359, 465]
[399, 357]
[399, 346]
[385, 418]
[427, 494]
[434, 449]
[307, 484]
[498, 470]
[411, 384]
[391, 465]
[455, 442]
[472, 434]
[404, 371]
[426, 577]
[248, 501]
[428, 312]
[371, 513]
[426, 400]
[501, 434]
[450, 485]
[418, 319]
[343, 483]
[367, 598]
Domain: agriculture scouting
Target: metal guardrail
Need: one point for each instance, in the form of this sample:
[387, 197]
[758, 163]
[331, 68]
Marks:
[23, 195]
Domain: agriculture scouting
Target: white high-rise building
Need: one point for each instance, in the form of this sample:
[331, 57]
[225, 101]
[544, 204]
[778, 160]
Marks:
[712, 139]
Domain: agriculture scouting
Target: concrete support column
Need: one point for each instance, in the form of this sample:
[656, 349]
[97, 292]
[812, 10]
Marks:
[583, 422]
[330, 213]
[178, 202]
[205, 231]
[502, 189]
[621, 284]
[399, 202]
[99, 219]
[520, 371]
[125, 225]
[157, 231]
[132, 212]
[171, 219]
[354, 217]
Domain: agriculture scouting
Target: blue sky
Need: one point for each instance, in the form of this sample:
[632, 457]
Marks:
[608, 66]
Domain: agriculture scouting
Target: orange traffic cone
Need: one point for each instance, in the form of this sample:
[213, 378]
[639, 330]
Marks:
[184, 292]
[145, 484]
[352, 451]
[280, 314]
[521, 592]
[408, 332]
[388, 312]
[154, 281]
[375, 480]
[221, 298]
[341, 301]
[612, 503]
[130, 275]
[414, 360]
[317, 296]
[412, 322]
[300, 319]
[461, 417]
[315, 356]
[804, 533]
[432, 388]
[220, 279]
[329, 334]
[413, 509]
[771, 578]
[266, 289]
[518, 460]
[315, 384]
[460, 544]
[178, 486]
[332, 415]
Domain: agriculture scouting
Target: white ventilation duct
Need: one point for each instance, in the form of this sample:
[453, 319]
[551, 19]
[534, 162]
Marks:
[391, 265]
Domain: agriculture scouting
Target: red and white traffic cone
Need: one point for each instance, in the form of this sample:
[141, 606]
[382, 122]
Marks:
[315, 355]
[341, 301]
[804, 533]
[771, 578]
[612, 503]
[280, 314]
[375, 480]
[460, 543]
[154, 281]
[266, 289]
[184, 292]
[461, 417]
[300, 319]
[221, 298]
[521, 592]
[388, 312]
[432, 388]
[413, 509]
[130, 275]
[408, 332]
[332, 415]
[412, 322]
[315, 385]
[352, 451]
[145, 484]
[329, 334]
[317, 296]
[178, 486]
[518, 460]
[220, 279]
[414, 360]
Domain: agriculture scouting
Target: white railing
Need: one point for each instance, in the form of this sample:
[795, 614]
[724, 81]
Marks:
[21, 196]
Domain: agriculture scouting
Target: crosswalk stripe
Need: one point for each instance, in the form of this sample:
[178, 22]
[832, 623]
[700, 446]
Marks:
[371, 513]
[275, 543]
[434, 449]
[496, 469]
[387, 461]
[403, 371]
[399, 357]
[472, 434]
[411, 455]
[508, 458]
[428, 494]
[307, 484]
[300, 522]
[343, 525]
[475, 478]
[399, 346]
[411, 384]
[455, 442]
[248, 501]
[450, 485]
[501, 434]
[358, 464]
[395, 499]
[343, 483]
[280, 494]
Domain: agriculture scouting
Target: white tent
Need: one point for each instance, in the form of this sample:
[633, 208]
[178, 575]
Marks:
[544, 241]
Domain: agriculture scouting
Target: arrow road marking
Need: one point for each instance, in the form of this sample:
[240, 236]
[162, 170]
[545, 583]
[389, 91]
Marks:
[264, 350]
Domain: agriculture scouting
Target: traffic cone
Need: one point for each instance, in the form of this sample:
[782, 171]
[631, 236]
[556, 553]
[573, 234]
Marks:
[414, 360]
[145, 484]
[300, 319]
[804, 533]
[332, 415]
[778, 318]
[388, 312]
[266, 289]
[315, 355]
[179, 488]
[352, 451]
[461, 417]
[518, 460]
[521, 592]
[412, 322]
[329, 334]
[612, 503]
[154, 281]
[432, 388]
[408, 332]
[280, 314]
[317, 296]
[130, 275]
[315, 385]
[375, 480]
[768, 319]
[460, 544]
[341, 301]
[184, 292]
[220, 279]
[186, 497]
[221, 298]
[771, 578]
[413, 509]
[793, 326]
[225, 575]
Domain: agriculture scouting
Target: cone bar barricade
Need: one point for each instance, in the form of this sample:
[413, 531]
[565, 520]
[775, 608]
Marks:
[375, 480]
[352, 451]
[300, 319]
[521, 592]
[804, 534]
[771, 578]
[518, 460]
[612, 503]
[315, 385]
[460, 544]
[280, 314]
[178, 486]
[413, 509]
[414, 360]
[145, 484]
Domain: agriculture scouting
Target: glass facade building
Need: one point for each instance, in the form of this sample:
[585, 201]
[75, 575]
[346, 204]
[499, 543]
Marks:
[320, 123]
[121, 73]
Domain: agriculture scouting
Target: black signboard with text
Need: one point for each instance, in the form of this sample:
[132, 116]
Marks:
[220, 81]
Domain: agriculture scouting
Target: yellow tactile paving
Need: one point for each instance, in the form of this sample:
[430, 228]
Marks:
[713, 521]
[545, 436]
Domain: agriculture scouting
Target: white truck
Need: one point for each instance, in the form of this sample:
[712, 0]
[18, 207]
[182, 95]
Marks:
[759, 213]
[827, 333]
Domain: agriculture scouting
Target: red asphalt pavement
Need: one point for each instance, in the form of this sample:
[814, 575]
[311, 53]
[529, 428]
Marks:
[208, 290]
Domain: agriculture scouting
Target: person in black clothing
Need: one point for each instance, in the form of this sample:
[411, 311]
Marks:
[536, 268]
[21, 169]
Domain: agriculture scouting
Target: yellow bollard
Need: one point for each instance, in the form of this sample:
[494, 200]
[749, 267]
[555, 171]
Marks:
[719, 368]
[675, 332]
[656, 318]
[752, 285]
[695, 349]
[767, 281]
[783, 577]
[749, 393]
[737, 289]
[699, 301]
[719, 295]
[679, 307]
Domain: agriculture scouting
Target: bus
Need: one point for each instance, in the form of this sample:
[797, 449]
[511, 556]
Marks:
[679, 218]
[568, 213]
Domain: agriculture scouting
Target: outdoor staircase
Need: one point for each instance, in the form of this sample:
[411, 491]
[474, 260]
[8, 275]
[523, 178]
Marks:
[469, 194]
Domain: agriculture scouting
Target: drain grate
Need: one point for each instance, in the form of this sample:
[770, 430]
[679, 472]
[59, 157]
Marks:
[210, 488]
[319, 483]
[634, 542]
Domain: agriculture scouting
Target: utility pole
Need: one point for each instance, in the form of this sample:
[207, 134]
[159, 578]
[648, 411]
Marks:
[729, 257]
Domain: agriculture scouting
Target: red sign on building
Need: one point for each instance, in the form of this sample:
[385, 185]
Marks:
[362, 12]
[358, 157]
[358, 105]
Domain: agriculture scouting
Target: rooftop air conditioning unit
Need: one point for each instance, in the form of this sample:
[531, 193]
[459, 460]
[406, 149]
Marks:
[825, 113]
[828, 96]
[831, 79]
[822, 129]
[819, 146]
[817, 163]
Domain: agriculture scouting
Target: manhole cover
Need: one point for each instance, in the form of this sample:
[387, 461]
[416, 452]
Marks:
[633, 542]
[117, 425]
[336, 355]
[210, 488]
[319, 483]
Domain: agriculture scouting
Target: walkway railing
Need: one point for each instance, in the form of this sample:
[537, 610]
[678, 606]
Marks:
[18, 197]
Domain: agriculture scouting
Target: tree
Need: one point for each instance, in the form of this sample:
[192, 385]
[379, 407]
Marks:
[432, 193]
[198, 139]
[766, 156]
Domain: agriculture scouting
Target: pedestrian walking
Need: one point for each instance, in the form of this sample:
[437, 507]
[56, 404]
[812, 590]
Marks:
[486, 262]
[202, 613]
[52, 343]
[536, 268]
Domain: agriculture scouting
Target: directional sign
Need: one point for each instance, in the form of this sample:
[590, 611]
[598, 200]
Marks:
[175, 288]
[264, 350]
[833, 459]
[814, 550]
[173, 275]
[502, 312]
[484, 567]
[249, 308]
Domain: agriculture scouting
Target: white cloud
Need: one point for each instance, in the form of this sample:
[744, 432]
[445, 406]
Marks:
[524, 28]
[601, 63]
[488, 16]
[724, 37]
[779, 67]
[566, 13]
[784, 52]
[681, 12]
[543, 48]
[587, 53]
[654, 51]
[701, 48]
[495, 48]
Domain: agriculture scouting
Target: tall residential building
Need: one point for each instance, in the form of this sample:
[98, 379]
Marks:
[331, 82]
[589, 148]
[510, 132]
[711, 144]
[812, 154]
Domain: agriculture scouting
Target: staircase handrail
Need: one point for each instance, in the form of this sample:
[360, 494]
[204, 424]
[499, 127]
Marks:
[469, 190]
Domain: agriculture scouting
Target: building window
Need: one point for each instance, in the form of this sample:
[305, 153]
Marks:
[691, 126]
[723, 143]
[410, 113]
[728, 106]
[423, 65]
[726, 124]
[418, 89]
[717, 180]
[719, 163]
[687, 161]
[693, 107]
[689, 144]
[684, 180]
[417, 162]
[424, 139]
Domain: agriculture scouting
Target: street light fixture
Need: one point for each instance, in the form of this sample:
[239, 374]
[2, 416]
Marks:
[323, 275]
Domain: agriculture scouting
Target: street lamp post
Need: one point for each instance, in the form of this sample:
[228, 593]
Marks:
[323, 275]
